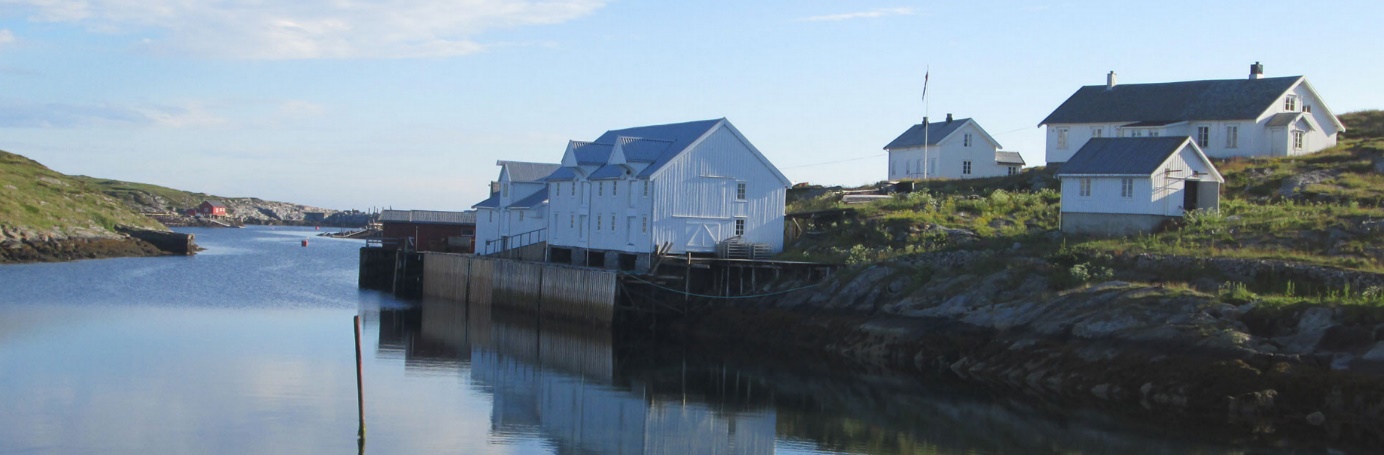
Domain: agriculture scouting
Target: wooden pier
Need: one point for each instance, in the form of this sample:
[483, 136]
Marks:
[570, 293]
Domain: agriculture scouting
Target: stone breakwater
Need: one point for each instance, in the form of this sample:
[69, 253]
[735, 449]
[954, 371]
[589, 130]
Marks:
[1175, 354]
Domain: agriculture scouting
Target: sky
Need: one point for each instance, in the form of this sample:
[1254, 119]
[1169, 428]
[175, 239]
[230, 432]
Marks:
[408, 104]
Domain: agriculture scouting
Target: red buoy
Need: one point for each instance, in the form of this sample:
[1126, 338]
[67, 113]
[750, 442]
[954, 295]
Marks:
[305, 242]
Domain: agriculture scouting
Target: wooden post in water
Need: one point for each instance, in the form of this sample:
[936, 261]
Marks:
[360, 389]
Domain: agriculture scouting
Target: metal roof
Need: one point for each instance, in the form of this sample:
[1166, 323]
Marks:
[609, 171]
[592, 153]
[1230, 99]
[520, 171]
[533, 200]
[679, 137]
[1122, 155]
[935, 132]
[493, 202]
[428, 217]
[644, 149]
[1284, 118]
[562, 174]
[1009, 158]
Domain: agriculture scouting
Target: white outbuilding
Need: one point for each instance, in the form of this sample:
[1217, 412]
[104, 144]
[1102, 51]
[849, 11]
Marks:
[1121, 186]
[1252, 117]
[676, 188]
[953, 149]
[513, 215]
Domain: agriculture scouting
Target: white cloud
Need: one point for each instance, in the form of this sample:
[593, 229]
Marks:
[876, 13]
[6, 37]
[307, 29]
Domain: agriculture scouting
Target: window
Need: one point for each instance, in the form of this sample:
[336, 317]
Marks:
[966, 140]
[1232, 136]
[1290, 103]
[1013, 170]
[1127, 187]
[966, 167]
[1086, 187]
[1298, 140]
[1096, 132]
[504, 190]
[600, 189]
[1153, 133]
[740, 191]
[492, 216]
[1203, 136]
[521, 215]
[644, 224]
[1136, 133]
[1061, 138]
[739, 227]
[612, 222]
[572, 221]
[614, 188]
[646, 187]
[598, 222]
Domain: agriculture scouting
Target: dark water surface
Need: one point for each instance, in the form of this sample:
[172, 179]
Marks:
[247, 348]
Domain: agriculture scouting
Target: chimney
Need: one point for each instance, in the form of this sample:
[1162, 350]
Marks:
[949, 118]
[924, 121]
[1110, 80]
[1256, 71]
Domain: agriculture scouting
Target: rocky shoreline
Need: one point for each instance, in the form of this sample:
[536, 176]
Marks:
[1170, 354]
[24, 246]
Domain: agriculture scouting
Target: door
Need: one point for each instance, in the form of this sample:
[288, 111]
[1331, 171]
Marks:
[1189, 195]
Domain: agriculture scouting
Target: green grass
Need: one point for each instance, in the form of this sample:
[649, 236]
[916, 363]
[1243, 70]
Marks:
[35, 197]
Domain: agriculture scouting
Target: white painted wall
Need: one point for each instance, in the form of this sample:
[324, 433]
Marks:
[947, 158]
[1158, 194]
[694, 203]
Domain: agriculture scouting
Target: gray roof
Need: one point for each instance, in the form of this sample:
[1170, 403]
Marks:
[533, 200]
[428, 217]
[520, 171]
[935, 131]
[1231, 99]
[492, 202]
[1122, 155]
[609, 171]
[1009, 158]
[678, 136]
[1284, 118]
[562, 174]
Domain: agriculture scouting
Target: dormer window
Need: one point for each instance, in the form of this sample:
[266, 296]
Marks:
[1290, 103]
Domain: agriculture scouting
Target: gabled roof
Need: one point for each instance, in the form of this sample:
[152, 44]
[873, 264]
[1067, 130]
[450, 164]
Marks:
[493, 202]
[215, 203]
[644, 149]
[1009, 158]
[679, 137]
[934, 132]
[522, 172]
[562, 174]
[536, 199]
[1133, 156]
[609, 171]
[1283, 118]
[1230, 99]
[428, 217]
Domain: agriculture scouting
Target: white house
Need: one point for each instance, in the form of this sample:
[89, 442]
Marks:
[689, 186]
[954, 149]
[1119, 186]
[515, 208]
[1257, 116]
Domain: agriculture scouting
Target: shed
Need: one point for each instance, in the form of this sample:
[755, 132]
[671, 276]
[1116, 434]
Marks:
[1120, 186]
[429, 230]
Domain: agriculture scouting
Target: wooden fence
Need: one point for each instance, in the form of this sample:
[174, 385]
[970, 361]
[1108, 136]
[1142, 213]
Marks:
[557, 291]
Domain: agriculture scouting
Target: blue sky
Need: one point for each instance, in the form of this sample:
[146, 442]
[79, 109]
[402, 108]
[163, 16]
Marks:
[409, 103]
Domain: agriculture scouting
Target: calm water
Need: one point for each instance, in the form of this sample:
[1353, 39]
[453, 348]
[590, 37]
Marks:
[247, 348]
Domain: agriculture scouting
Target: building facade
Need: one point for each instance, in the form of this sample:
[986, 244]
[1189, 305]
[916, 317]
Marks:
[1122, 186]
[954, 149]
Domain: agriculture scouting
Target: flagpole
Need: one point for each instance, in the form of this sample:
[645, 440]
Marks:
[926, 106]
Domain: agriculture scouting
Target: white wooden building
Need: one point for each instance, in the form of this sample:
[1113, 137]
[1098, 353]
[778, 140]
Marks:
[953, 149]
[516, 207]
[1252, 117]
[689, 186]
[1120, 186]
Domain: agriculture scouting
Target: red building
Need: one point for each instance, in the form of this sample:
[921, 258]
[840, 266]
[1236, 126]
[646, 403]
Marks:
[211, 208]
[428, 230]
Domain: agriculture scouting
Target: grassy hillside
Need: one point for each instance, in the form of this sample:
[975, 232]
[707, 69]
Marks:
[1321, 209]
[37, 198]
[146, 196]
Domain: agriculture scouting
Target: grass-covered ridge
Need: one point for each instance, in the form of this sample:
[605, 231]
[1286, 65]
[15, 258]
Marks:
[37, 198]
[1322, 209]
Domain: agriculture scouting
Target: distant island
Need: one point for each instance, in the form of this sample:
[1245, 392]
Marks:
[49, 216]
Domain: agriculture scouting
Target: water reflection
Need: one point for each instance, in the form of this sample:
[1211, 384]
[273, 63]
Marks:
[583, 391]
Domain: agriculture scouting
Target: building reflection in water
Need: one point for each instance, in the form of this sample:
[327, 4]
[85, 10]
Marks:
[563, 383]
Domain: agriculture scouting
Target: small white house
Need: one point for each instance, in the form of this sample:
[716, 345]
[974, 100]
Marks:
[515, 208]
[618, 199]
[1252, 117]
[1120, 186]
[953, 149]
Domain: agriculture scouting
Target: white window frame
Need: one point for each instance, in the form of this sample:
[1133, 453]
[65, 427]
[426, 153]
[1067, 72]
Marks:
[966, 167]
[1232, 136]
[644, 224]
[646, 187]
[966, 140]
[1203, 136]
[739, 227]
[1097, 132]
[1299, 139]
[1127, 187]
[504, 190]
[614, 188]
[1084, 189]
[1290, 103]
[1062, 138]
[600, 188]
[572, 221]
[740, 190]
[612, 222]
